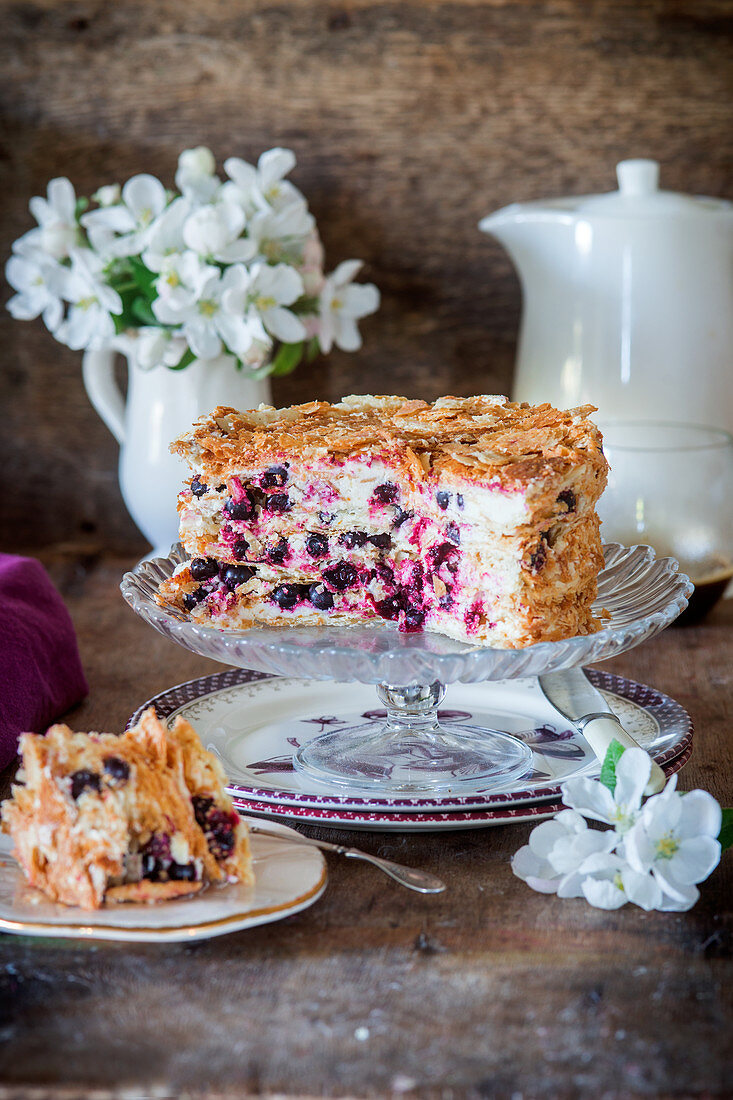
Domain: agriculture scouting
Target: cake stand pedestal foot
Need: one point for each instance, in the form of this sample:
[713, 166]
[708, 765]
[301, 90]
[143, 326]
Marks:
[412, 753]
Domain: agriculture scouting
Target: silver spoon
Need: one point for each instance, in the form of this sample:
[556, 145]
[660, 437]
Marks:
[410, 877]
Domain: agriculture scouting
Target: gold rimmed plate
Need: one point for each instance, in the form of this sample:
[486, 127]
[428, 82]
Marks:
[288, 878]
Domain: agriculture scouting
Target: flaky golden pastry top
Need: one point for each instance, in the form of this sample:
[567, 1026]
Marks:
[483, 437]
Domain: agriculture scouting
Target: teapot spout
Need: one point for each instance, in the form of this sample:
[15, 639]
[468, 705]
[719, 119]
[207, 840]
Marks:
[513, 222]
[527, 229]
[501, 221]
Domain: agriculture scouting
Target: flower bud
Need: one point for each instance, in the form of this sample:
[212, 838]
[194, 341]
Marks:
[197, 162]
[109, 195]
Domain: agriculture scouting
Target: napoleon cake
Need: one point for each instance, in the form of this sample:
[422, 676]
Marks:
[141, 817]
[472, 517]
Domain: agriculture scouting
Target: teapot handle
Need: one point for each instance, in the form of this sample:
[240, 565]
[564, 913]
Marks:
[102, 389]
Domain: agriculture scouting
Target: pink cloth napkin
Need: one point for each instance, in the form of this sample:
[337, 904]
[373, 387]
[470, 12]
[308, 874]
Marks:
[40, 671]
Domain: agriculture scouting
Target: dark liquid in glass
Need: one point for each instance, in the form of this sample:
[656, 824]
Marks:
[707, 592]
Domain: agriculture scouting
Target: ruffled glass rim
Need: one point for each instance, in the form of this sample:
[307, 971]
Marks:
[641, 593]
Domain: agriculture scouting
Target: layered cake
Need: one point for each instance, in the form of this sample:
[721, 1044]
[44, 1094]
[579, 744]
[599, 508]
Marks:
[473, 517]
[142, 817]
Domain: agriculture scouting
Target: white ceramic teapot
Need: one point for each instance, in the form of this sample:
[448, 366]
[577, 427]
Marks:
[628, 300]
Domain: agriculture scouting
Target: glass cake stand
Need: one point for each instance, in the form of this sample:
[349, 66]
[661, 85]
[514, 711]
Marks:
[640, 593]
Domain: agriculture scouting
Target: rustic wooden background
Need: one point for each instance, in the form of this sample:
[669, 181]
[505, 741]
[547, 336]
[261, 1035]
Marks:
[410, 120]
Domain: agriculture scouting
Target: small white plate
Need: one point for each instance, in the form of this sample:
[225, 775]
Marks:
[288, 878]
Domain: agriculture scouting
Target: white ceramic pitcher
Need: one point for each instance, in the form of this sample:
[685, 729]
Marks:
[628, 300]
[161, 404]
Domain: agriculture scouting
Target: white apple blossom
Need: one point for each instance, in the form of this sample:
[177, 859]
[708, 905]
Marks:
[215, 317]
[281, 235]
[557, 850]
[675, 838]
[606, 881]
[56, 217]
[89, 323]
[620, 808]
[156, 347]
[214, 232]
[121, 230]
[196, 175]
[267, 292]
[566, 858]
[265, 185]
[165, 235]
[258, 355]
[342, 303]
[654, 857]
[182, 276]
[228, 270]
[39, 281]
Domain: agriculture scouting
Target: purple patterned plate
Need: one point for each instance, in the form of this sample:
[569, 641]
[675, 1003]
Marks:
[255, 722]
[425, 822]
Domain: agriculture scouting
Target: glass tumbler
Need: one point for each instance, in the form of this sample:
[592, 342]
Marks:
[671, 486]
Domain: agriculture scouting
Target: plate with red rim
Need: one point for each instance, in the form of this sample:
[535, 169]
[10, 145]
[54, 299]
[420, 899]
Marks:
[423, 822]
[254, 722]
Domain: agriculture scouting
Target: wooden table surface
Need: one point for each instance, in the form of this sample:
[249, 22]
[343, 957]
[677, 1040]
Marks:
[488, 990]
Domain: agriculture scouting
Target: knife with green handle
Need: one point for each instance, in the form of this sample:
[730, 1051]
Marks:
[573, 695]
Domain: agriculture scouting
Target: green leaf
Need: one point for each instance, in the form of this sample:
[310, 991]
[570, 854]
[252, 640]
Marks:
[81, 205]
[287, 358]
[142, 312]
[725, 836]
[186, 361]
[614, 752]
[256, 372]
[313, 347]
[126, 319]
[142, 276]
[304, 305]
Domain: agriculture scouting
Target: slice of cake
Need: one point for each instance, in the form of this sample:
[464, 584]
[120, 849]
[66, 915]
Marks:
[473, 517]
[141, 817]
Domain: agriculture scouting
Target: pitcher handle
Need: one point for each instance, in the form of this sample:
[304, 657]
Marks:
[102, 389]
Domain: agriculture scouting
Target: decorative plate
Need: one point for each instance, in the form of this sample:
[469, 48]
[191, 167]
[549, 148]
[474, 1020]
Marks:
[254, 723]
[421, 822]
[289, 877]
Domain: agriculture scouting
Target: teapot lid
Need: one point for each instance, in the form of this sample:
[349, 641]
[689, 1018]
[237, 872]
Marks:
[639, 195]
